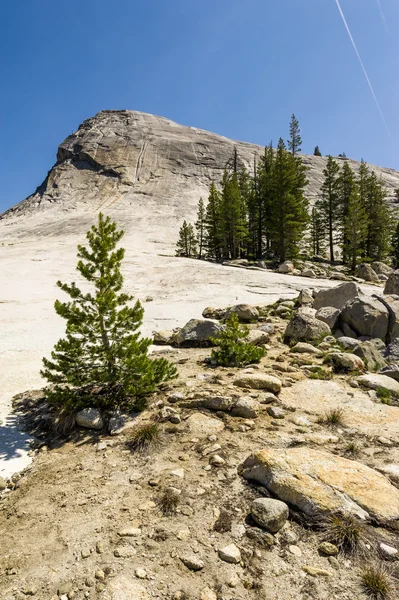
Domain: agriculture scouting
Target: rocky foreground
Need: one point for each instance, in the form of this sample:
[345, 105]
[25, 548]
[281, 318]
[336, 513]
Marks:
[233, 498]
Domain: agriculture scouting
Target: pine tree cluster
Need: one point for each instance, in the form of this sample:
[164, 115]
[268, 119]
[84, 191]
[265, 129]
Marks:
[265, 213]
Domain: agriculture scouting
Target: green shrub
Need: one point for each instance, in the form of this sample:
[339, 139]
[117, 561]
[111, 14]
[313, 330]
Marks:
[233, 350]
[384, 395]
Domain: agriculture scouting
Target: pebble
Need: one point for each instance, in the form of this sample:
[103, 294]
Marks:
[100, 548]
[178, 473]
[388, 552]
[129, 532]
[230, 554]
[315, 571]
[99, 575]
[208, 594]
[295, 550]
[269, 513]
[140, 573]
[124, 552]
[85, 553]
[328, 549]
[217, 461]
[192, 562]
[276, 412]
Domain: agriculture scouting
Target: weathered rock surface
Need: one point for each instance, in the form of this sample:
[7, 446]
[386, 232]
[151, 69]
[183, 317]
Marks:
[269, 513]
[318, 482]
[245, 312]
[366, 316]
[90, 418]
[259, 382]
[370, 355]
[198, 332]
[366, 272]
[374, 381]
[381, 268]
[336, 297]
[329, 315]
[303, 328]
[345, 362]
[392, 285]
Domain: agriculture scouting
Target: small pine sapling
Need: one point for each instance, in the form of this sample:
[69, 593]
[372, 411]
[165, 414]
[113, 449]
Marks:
[233, 349]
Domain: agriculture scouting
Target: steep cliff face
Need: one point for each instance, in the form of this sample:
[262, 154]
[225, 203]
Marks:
[137, 163]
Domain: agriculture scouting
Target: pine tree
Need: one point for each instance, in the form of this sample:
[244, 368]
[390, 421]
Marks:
[187, 242]
[380, 222]
[232, 217]
[317, 231]
[234, 349]
[317, 152]
[102, 361]
[395, 248]
[347, 184]
[265, 198]
[212, 224]
[355, 228]
[330, 203]
[289, 209]
[295, 140]
[200, 226]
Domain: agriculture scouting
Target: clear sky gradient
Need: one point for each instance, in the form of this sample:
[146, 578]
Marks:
[236, 67]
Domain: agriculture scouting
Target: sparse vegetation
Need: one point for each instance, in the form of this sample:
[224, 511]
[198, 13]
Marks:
[144, 437]
[169, 501]
[353, 449]
[377, 582]
[233, 350]
[345, 531]
[224, 522]
[384, 395]
[333, 418]
[320, 373]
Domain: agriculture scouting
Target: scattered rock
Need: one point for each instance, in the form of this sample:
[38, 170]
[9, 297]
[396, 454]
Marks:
[192, 562]
[304, 348]
[347, 343]
[230, 554]
[336, 297]
[316, 572]
[392, 285]
[286, 267]
[276, 412]
[374, 381]
[370, 355]
[388, 552]
[247, 408]
[318, 482]
[303, 328]
[366, 272]
[201, 425]
[123, 587]
[366, 316]
[90, 418]
[305, 297]
[329, 315]
[269, 513]
[344, 362]
[257, 337]
[328, 549]
[381, 268]
[259, 382]
[198, 333]
[163, 338]
[245, 312]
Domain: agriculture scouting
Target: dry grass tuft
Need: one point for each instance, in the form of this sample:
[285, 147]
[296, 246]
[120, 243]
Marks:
[169, 501]
[145, 437]
[333, 418]
[377, 582]
[345, 531]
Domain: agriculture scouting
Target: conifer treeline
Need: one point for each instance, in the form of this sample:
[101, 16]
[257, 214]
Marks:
[265, 213]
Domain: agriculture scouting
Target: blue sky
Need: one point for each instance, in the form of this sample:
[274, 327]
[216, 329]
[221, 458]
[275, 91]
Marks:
[237, 68]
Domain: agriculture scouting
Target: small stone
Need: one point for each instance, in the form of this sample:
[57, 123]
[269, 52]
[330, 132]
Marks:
[388, 552]
[85, 553]
[178, 473]
[276, 412]
[233, 580]
[208, 594]
[269, 513]
[176, 397]
[328, 549]
[124, 552]
[101, 446]
[100, 548]
[129, 532]
[247, 408]
[192, 562]
[99, 575]
[149, 505]
[217, 461]
[90, 418]
[295, 550]
[333, 562]
[140, 573]
[230, 554]
[315, 572]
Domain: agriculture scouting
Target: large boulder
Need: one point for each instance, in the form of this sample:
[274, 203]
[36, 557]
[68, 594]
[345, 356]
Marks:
[366, 272]
[366, 316]
[345, 362]
[381, 268]
[198, 332]
[245, 312]
[329, 315]
[336, 296]
[391, 352]
[370, 355]
[317, 482]
[391, 303]
[304, 327]
[286, 267]
[392, 285]
[375, 381]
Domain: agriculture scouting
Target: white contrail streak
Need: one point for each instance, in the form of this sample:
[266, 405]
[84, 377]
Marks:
[362, 65]
[382, 15]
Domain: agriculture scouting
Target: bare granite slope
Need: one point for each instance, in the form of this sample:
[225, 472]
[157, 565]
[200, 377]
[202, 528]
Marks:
[143, 166]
